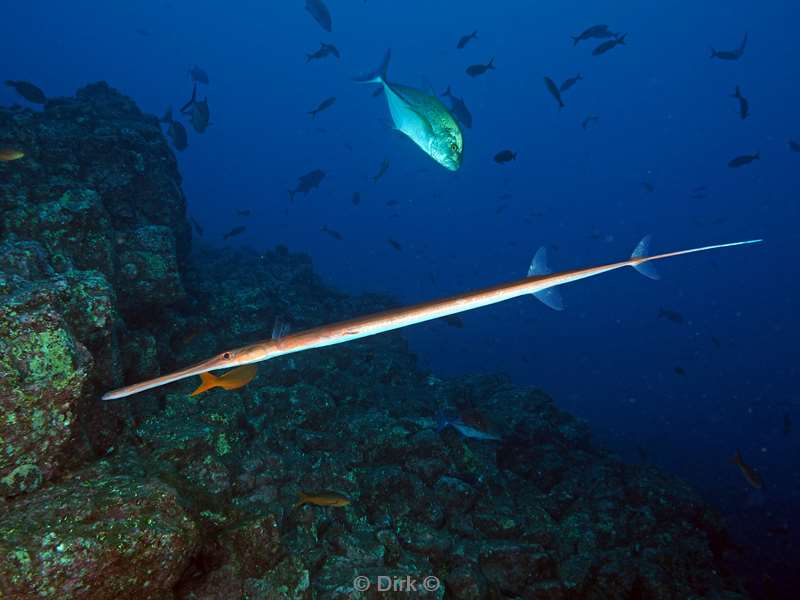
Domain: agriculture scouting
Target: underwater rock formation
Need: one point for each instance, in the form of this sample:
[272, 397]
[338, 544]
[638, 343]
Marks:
[194, 497]
[93, 230]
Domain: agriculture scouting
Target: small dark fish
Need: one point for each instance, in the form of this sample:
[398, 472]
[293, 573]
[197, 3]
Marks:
[787, 424]
[458, 108]
[744, 105]
[198, 74]
[466, 39]
[381, 170]
[794, 146]
[198, 111]
[698, 196]
[553, 89]
[716, 342]
[324, 50]
[307, 182]
[500, 209]
[730, 54]
[475, 70]
[606, 46]
[325, 104]
[454, 321]
[588, 121]
[671, 315]
[321, 14]
[570, 82]
[332, 232]
[242, 213]
[745, 159]
[680, 371]
[595, 31]
[356, 198]
[782, 529]
[505, 156]
[27, 90]
[235, 231]
[642, 452]
[505, 196]
[176, 131]
[700, 188]
[395, 245]
[197, 227]
[143, 32]
[378, 91]
[392, 203]
[648, 187]
[749, 473]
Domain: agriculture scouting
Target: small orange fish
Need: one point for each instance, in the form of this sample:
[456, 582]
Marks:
[231, 380]
[321, 499]
[9, 154]
[750, 474]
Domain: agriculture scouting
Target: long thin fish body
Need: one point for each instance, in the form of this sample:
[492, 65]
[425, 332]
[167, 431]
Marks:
[345, 331]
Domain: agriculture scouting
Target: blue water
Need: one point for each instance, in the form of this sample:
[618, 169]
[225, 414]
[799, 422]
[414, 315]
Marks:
[665, 118]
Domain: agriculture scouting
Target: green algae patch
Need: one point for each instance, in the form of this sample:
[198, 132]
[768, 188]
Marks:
[44, 372]
[94, 539]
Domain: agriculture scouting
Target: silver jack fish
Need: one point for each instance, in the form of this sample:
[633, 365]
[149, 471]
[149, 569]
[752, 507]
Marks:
[422, 117]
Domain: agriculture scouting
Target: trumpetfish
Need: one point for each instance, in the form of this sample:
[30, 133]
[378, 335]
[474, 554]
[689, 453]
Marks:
[540, 282]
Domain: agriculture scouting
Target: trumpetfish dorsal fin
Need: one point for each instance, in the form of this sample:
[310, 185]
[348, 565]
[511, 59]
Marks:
[642, 250]
[550, 297]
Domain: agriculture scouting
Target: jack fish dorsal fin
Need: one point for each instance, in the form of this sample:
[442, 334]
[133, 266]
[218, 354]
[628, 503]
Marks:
[550, 297]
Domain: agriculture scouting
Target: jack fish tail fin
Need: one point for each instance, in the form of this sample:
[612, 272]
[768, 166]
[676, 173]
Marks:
[379, 74]
[550, 297]
[207, 382]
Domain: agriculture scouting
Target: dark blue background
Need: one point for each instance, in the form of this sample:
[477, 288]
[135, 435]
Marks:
[665, 117]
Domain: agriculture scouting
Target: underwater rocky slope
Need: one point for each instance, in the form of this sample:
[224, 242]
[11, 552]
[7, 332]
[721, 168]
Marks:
[169, 496]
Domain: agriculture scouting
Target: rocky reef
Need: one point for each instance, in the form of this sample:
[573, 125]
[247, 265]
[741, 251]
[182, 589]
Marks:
[170, 496]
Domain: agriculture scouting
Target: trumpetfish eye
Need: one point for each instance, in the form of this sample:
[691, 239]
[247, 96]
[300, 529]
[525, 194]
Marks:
[226, 355]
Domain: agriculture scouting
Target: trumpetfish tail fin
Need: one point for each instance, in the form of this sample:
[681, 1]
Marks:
[207, 382]
[640, 260]
[550, 297]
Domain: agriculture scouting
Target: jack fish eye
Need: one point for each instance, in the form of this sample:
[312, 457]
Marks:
[453, 146]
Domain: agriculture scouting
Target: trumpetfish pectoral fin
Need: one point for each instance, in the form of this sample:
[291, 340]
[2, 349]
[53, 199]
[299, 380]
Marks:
[207, 382]
[550, 297]
[642, 250]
